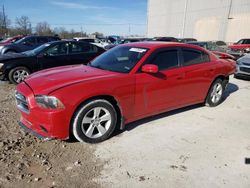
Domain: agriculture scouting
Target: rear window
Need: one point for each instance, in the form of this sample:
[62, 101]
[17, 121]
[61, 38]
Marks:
[166, 59]
[191, 57]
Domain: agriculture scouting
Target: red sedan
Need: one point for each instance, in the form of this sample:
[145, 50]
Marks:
[126, 83]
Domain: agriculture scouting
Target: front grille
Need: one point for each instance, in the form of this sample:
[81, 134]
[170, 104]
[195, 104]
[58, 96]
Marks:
[235, 50]
[244, 69]
[247, 64]
[21, 102]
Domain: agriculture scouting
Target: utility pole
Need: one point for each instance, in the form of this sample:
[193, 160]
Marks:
[184, 19]
[129, 29]
[4, 22]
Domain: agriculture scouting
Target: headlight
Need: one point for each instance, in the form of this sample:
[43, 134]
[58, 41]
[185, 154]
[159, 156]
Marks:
[1, 47]
[48, 102]
[247, 50]
[1, 64]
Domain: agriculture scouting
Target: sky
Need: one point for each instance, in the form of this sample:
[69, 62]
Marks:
[111, 17]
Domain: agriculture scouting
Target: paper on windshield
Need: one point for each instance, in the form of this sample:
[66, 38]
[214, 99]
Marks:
[139, 50]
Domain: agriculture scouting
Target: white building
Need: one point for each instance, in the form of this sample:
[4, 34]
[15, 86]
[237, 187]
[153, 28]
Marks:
[227, 20]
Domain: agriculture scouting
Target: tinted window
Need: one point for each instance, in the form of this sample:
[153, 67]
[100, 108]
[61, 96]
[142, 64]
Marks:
[58, 49]
[221, 43]
[191, 57]
[167, 59]
[246, 41]
[30, 41]
[82, 48]
[42, 40]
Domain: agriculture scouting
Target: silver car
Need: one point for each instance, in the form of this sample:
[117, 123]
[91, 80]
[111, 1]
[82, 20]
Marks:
[243, 66]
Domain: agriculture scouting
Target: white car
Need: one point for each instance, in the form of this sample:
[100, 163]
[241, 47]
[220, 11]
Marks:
[96, 42]
[243, 66]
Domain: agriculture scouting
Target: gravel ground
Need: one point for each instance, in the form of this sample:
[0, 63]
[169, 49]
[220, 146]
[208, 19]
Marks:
[26, 161]
[191, 147]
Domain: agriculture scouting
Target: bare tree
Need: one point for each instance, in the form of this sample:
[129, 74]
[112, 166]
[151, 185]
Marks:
[23, 24]
[43, 28]
[4, 24]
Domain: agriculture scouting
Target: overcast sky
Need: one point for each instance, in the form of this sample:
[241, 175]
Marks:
[121, 17]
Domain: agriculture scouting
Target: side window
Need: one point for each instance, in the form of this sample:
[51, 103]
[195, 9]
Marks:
[82, 48]
[166, 59]
[42, 40]
[30, 41]
[58, 49]
[191, 57]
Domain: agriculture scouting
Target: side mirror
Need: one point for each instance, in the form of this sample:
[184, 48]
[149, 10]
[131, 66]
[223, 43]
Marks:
[150, 68]
[43, 55]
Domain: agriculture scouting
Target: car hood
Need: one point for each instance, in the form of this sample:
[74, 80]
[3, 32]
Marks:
[239, 46]
[46, 81]
[10, 56]
[245, 58]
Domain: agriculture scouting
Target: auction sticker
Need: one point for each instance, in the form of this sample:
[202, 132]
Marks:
[139, 50]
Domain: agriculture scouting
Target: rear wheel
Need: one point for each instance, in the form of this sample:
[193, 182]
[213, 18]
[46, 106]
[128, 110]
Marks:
[94, 121]
[215, 93]
[18, 74]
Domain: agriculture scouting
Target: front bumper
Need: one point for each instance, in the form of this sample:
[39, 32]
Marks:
[42, 122]
[26, 129]
[242, 70]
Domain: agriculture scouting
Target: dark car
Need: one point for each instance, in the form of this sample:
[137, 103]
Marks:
[165, 39]
[16, 67]
[26, 43]
[185, 40]
[210, 45]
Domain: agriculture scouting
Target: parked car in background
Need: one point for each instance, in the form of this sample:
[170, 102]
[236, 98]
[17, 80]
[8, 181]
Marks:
[185, 40]
[164, 39]
[16, 67]
[11, 39]
[124, 41]
[239, 48]
[126, 83]
[96, 41]
[26, 43]
[209, 45]
[243, 67]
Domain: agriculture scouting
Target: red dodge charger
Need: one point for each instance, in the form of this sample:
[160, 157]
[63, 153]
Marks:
[126, 83]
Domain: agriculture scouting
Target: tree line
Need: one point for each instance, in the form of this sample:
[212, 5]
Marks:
[23, 26]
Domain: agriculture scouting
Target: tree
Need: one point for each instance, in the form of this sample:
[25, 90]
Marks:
[97, 34]
[4, 24]
[43, 28]
[23, 24]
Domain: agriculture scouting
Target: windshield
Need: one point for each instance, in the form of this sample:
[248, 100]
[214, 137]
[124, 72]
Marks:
[120, 59]
[37, 50]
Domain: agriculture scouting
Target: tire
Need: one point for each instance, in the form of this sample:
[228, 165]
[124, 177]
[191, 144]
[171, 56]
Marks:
[215, 94]
[18, 74]
[94, 130]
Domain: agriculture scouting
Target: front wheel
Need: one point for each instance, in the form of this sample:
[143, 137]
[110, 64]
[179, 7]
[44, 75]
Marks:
[94, 121]
[18, 74]
[215, 93]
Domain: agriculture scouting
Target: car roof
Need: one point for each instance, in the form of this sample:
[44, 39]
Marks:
[154, 45]
[63, 41]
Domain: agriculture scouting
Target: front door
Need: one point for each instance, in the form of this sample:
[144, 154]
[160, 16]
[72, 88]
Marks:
[56, 55]
[161, 91]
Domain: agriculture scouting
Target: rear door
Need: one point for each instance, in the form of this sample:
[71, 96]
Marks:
[198, 74]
